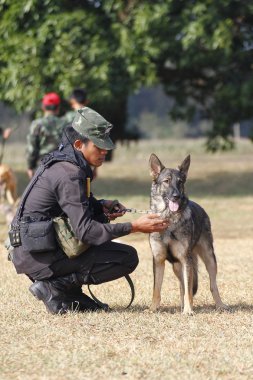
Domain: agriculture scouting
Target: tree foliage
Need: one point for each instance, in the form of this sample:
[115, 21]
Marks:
[200, 50]
[57, 46]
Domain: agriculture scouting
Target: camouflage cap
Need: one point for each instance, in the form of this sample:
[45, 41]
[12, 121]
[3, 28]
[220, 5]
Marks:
[93, 126]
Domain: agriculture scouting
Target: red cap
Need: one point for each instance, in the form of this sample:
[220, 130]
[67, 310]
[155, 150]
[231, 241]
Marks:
[51, 99]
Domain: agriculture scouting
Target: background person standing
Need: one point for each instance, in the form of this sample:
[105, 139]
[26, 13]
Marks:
[45, 133]
[78, 99]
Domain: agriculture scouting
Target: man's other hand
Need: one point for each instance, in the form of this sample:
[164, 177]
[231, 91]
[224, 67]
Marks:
[115, 212]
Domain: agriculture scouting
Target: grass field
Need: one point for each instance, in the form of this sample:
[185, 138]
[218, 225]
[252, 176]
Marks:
[138, 344]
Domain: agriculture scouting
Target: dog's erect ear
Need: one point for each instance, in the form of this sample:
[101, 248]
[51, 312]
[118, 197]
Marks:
[184, 167]
[155, 166]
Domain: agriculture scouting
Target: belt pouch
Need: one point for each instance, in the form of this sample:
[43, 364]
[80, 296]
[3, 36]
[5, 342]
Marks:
[37, 237]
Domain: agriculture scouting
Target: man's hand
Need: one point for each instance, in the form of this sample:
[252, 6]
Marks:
[7, 133]
[149, 223]
[30, 173]
[115, 212]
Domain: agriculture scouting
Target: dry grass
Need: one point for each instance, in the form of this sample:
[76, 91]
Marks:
[137, 344]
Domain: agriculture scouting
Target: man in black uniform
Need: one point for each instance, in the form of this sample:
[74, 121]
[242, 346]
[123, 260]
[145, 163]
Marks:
[62, 189]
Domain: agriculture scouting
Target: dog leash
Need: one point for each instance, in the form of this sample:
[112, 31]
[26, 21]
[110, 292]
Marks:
[135, 211]
[114, 203]
[104, 306]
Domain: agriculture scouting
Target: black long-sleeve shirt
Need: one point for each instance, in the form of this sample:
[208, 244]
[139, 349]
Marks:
[62, 189]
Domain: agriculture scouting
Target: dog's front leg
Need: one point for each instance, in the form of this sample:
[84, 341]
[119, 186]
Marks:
[188, 285]
[159, 256]
[158, 270]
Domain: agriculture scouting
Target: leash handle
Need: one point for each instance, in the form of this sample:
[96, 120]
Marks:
[105, 306]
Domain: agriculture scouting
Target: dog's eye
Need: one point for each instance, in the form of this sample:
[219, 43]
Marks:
[167, 180]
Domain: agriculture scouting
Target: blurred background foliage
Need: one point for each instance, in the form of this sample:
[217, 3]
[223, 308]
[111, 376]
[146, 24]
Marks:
[198, 51]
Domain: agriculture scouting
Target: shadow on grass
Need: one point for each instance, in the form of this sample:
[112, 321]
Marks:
[198, 309]
[216, 184]
[145, 309]
[242, 307]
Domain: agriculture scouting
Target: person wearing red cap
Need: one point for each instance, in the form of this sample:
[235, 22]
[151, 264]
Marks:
[51, 99]
[45, 133]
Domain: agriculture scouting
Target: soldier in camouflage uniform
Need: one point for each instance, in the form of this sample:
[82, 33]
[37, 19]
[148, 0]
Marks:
[77, 100]
[45, 133]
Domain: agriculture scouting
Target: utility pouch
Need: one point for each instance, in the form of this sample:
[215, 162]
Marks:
[38, 236]
[14, 236]
[66, 238]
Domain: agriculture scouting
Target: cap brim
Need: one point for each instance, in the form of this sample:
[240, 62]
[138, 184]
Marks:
[102, 143]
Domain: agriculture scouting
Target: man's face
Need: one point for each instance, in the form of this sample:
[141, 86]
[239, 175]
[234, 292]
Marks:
[73, 103]
[93, 155]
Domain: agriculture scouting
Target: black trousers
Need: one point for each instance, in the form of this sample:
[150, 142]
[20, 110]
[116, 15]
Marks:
[99, 264]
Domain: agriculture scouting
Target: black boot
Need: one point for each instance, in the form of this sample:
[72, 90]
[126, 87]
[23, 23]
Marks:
[63, 294]
[81, 302]
[53, 293]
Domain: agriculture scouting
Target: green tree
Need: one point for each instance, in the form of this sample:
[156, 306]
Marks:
[58, 45]
[202, 51]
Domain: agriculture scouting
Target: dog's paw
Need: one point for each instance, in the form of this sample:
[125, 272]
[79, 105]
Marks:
[188, 311]
[223, 307]
[154, 308]
[150, 311]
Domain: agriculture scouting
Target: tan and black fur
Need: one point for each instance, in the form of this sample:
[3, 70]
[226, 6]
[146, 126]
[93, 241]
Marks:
[8, 185]
[188, 236]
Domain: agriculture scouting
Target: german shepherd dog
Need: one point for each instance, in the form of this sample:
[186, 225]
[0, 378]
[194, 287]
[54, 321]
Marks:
[188, 236]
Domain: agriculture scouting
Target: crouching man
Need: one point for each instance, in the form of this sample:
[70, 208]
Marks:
[62, 188]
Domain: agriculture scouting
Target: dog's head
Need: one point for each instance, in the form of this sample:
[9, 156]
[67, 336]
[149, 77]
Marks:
[169, 183]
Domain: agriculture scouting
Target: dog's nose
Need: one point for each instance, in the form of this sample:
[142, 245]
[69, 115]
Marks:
[175, 196]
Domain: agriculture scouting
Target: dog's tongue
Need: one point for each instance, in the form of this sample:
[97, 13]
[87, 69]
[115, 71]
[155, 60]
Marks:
[173, 206]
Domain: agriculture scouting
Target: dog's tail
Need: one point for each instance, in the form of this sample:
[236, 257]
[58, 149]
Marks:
[195, 274]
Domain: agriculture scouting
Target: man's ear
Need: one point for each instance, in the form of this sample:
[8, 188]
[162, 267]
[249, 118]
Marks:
[78, 144]
[184, 167]
[155, 166]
